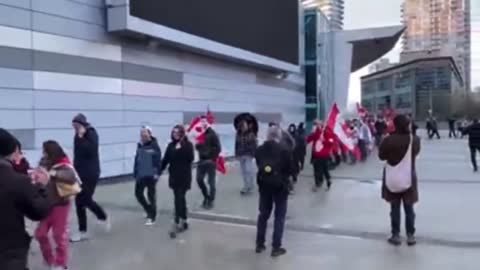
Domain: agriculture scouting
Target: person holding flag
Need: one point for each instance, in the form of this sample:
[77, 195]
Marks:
[208, 147]
[322, 140]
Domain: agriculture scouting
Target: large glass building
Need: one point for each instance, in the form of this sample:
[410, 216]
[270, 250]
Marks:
[414, 87]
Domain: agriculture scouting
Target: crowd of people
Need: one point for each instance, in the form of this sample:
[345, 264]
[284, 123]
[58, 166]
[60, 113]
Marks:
[46, 191]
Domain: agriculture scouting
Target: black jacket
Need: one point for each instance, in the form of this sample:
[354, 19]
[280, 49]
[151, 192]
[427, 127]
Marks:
[473, 132]
[18, 199]
[264, 152]
[245, 144]
[86, 158]
[179, 162]
[210, 148]
[300, 145]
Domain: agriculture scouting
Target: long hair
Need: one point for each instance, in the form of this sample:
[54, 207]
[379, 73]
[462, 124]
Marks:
[182, 133]
[402, 124]
[54, 153]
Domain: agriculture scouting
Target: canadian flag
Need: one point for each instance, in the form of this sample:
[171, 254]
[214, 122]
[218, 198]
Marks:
[196, 131]
[340, 128]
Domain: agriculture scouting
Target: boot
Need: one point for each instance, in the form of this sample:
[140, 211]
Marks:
[395, 240]
[411, 240]
[173, 231]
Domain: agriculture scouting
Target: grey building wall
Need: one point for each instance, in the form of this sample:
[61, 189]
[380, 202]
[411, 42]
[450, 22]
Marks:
[56, 59]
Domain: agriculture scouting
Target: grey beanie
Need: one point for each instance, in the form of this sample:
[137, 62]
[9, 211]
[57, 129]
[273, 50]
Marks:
[8, 143]
[81, 119]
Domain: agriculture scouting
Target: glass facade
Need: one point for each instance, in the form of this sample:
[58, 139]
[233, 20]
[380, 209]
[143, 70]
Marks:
[319, 65]
[413, 88]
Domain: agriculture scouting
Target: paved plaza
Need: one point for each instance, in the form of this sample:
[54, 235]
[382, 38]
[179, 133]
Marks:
[345, 228]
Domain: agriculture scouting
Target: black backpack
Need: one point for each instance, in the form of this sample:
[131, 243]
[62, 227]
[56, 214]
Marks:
[269, 169]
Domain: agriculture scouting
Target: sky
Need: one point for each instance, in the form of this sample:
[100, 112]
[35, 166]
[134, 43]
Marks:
[378, 13]
[366, 14]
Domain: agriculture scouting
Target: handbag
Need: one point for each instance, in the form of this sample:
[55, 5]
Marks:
[65, 190]
[398, 178]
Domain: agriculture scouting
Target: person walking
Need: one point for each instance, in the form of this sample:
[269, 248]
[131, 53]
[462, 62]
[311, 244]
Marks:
[451, 127]
[274, 170]
[399, 185]
[179, 158]
[297, 151]
[20, 198]
[473, 132]
[146, 170]
[245, 147]
[302, 145]
[322, 141]
[64, 184]
[87, 164]
[208, 151]
[363, 139]
[380, 129]
[288, 143]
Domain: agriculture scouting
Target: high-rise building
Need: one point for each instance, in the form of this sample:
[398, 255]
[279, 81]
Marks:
[439, 25]
[475, 39]
[333, 9]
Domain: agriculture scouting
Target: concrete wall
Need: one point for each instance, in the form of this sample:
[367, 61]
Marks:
[56, 59]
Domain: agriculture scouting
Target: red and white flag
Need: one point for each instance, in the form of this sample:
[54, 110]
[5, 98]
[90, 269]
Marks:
[361, 110]
[339, 127]
[196, 131]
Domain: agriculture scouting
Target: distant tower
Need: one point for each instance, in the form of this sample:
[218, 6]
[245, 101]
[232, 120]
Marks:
[442, 26]
[333, 9]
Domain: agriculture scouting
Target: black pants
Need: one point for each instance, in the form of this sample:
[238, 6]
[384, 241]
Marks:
[208, 168]
[473, 155]
[320, 170]
[266, 202]
[452, 133]
[85, 200]
[362, 145]
[432, 133]
[180, 202]
[302, 162]
[149, 206]
[14, 259]
[395, 217]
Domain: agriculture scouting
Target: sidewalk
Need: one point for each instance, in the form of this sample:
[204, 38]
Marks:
[448, 199]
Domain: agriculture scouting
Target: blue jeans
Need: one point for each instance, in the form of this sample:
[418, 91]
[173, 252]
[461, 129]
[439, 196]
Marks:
[267, 201]
[208, 168]
[248, 172]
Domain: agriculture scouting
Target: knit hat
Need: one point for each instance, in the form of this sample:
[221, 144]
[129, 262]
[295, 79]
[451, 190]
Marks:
[8, 143]
[81, 119]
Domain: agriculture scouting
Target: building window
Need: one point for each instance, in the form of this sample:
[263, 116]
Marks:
[403, 79]
[443, 77]
[403, 101]
[368, 104]
[385, 84]
[368, 88]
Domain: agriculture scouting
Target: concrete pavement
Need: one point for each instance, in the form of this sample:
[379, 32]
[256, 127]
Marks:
[340, 229]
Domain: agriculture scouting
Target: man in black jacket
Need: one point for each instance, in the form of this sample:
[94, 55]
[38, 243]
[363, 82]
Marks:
[473, 132]
[87, 163]
[274, 169]
[19, 198]
[208, 151]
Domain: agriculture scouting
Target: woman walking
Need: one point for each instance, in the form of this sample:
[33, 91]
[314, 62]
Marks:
[64, 184]
[245, 147]
[146, 171]
[400, 150]
[179, 158]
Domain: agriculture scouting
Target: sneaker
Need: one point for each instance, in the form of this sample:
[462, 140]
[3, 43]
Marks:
[150, 222]
[106, 224]
[210, 205]
[245, 191]
[315, 188]
[395, 240]
[276, 252]
[411, 240]
[260, 248]
[205, 204]
[58, 268]
[329, 185]
[79, 237]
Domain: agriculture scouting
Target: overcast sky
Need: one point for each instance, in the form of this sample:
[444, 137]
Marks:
[371, 13]
[377, 13]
